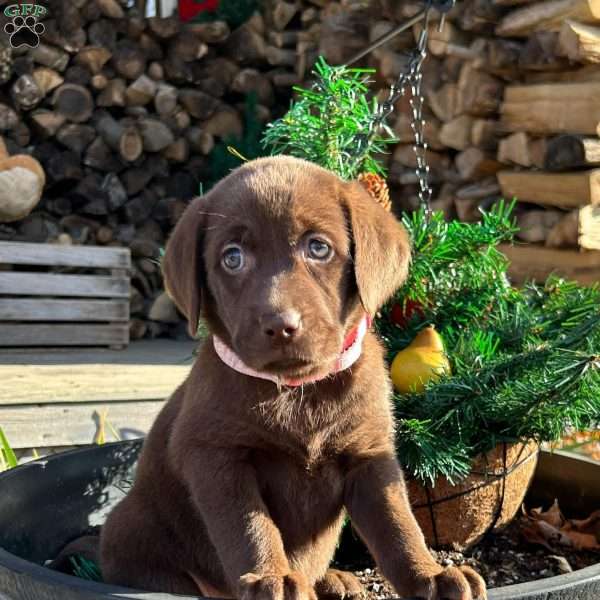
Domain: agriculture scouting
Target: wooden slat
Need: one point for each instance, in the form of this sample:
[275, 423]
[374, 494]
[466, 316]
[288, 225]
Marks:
[64, 335]
[28, 309]
[69, 424]
[18, 253]
[538, 262]
[76, 383]
[51, 284]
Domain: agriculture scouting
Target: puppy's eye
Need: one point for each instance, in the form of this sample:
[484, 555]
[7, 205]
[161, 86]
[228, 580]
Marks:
[318, 249]
[233, 258]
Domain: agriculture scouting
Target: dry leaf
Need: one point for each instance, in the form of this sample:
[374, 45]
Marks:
[550, 528]
[552, 516]
[590, 525]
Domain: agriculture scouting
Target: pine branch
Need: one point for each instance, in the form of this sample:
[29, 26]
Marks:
[331, 124]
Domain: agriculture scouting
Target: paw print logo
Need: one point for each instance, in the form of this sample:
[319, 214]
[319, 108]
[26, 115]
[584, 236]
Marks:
[24, 31]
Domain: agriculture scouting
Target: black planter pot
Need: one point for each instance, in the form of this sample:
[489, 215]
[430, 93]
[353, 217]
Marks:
[47, 503]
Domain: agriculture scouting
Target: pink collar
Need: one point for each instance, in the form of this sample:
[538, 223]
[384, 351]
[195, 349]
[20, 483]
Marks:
[350, 354]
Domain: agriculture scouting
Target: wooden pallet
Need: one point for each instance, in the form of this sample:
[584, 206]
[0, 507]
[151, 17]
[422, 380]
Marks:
[42, 307]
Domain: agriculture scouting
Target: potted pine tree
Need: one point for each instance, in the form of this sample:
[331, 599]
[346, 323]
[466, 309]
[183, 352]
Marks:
[498, 370]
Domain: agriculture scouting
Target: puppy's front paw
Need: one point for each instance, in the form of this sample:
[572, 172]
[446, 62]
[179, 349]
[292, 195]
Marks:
[452, 583]
[292, 586]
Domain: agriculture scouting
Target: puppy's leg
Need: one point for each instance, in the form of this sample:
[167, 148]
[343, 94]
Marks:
[225, 492]
[376, 499]
[339, 585]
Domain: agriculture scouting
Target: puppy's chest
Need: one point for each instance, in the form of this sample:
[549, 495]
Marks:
[300, 478]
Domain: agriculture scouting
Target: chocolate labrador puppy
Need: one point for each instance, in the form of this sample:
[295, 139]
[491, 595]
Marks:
[284, 424]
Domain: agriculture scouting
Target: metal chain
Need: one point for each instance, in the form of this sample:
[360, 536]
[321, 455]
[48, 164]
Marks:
[411, 78]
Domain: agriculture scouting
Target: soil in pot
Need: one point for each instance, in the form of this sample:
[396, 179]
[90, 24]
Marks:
[503, 558]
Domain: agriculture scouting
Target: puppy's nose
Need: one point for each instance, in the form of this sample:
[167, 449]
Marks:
[281, 326]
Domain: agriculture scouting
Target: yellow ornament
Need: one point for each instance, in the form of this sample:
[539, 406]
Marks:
[424, 360]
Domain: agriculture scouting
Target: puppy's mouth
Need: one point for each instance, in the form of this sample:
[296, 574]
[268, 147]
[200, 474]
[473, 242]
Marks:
[292, 367]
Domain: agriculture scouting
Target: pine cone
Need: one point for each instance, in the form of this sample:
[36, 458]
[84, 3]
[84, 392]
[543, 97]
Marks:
[377, 188]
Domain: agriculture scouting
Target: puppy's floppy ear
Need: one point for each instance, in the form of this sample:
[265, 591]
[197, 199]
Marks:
[381, 247]
[182, 264]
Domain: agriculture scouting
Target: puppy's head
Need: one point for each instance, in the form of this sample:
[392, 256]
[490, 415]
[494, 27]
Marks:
[282, 258]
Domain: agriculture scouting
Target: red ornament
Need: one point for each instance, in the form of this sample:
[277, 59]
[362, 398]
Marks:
[188, 9]
[401, 315]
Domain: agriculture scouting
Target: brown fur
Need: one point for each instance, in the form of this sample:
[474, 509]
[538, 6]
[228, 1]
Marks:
[242, 486]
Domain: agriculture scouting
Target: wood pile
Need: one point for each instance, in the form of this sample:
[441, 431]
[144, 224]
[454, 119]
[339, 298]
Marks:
[123, 113]
[512, 89]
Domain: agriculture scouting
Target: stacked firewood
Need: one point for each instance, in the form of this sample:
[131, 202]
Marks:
[123, 113]
[512, 89]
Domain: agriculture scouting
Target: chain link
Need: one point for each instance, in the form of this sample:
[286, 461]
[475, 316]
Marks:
[411, 79]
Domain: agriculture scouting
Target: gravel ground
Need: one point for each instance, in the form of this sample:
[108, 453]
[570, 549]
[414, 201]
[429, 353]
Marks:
[502, 559]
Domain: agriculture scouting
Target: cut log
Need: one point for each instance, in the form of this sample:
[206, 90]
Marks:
[570, 151]
[224, 124]
[214, 32]
[187, 47]
[99, 82]
[50, 56]
[278, 14]
[535, 225]
[552, 108]
[537, 263]
[245, 46]
[93, 58]
[178, 151]
[113, 94]
[200, 141]
[197, 103]
[548, 16]
[76, 137]
[74, 102]
[78, 75]
[566, 190]
[156, 71]
[102, 33]
[165, 100]
[9, 119]
[120, 136]
[565, 233]
[542, 53]
[128, 61]
[404, 155]
[456, 133]
[64, 166]
[589, 227]
[475, 163]
[46, 79]
[110, 8]
[479, 93]
[155, 134]
[141, 91]
[484, 134]
[47, 122]
[251, 80]
[164, 28]
[26, 93]
[280, 57]
[99, 156]
[520, 149]
[443, 102]
[580, 42]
